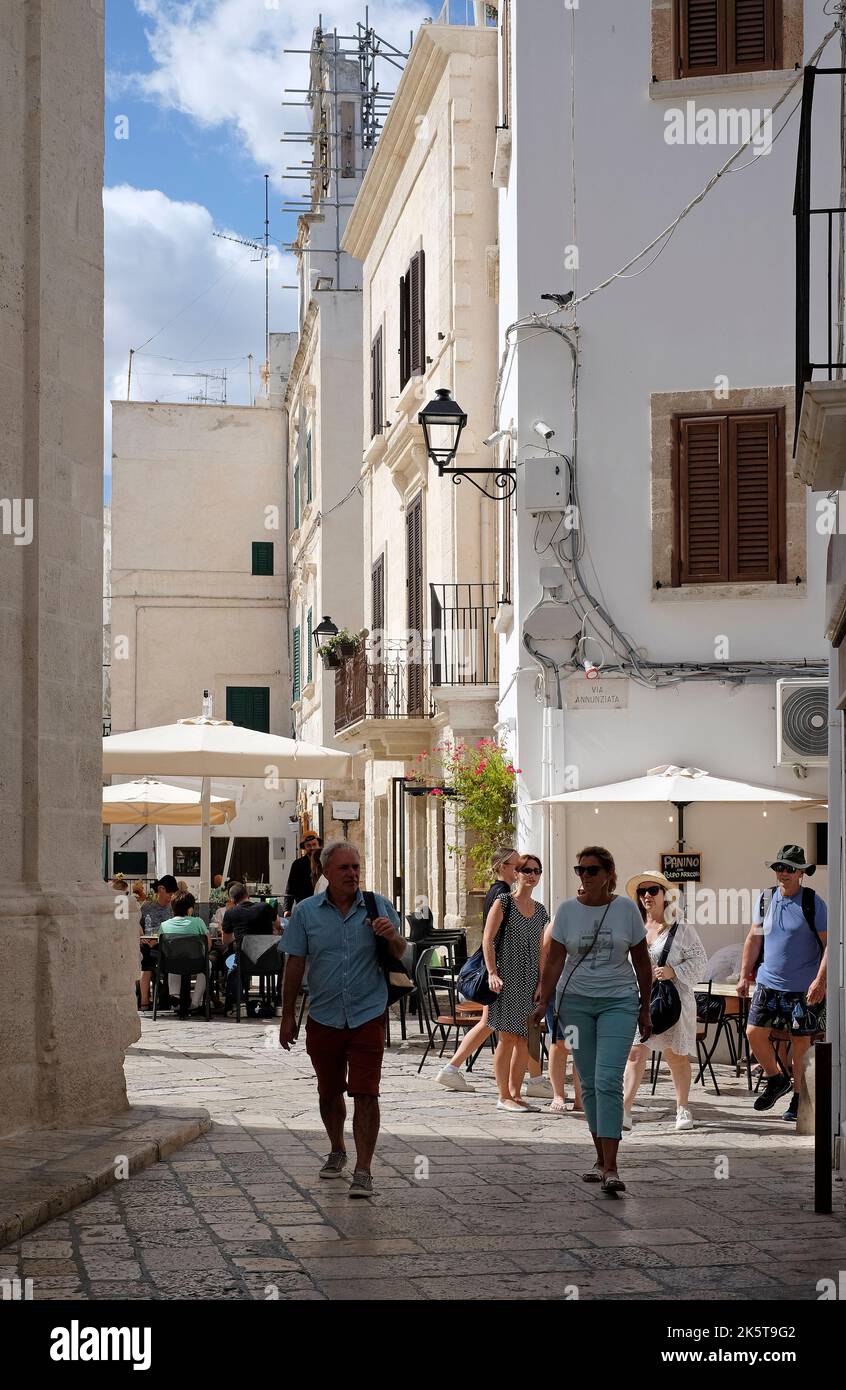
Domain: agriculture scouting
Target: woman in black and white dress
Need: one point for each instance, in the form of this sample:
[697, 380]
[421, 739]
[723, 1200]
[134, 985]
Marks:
[511, 947]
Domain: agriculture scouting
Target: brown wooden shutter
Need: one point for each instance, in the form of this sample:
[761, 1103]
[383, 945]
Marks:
[753, 35]
[405, 331]
[377, 595]
[702, 500]
[414, 603]
[417, 313]
[376, 673]
[754, 497]
[700, 27]
[376, 389]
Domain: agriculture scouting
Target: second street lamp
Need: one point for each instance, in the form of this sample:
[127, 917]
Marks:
[443, 422]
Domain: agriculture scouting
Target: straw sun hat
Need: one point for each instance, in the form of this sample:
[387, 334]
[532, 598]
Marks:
[649, 876]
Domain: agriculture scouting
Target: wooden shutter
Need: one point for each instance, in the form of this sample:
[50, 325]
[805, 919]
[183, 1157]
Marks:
[309, 479]
[296, 496]
[754, 497]
[376, 391]
[309, 647]
[723, 36]
[414, 602]
[417, 313]
[753, 35]
[249, 706]
[297, 682]
[377, 595]
[404, 333]
[702, 500]
[262, 557]
[700, 27]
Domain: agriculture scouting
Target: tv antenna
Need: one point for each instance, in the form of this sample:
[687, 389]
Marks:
[262, 253]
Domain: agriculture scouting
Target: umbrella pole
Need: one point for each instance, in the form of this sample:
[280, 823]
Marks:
[229, 848]
[205, 841]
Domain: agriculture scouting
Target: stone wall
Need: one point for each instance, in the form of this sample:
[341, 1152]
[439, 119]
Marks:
[67, 964]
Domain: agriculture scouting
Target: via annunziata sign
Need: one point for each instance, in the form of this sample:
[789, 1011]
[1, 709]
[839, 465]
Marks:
[581, 693]
[682, 868]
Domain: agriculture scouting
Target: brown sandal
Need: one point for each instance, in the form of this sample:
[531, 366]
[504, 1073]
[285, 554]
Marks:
[595, 1175]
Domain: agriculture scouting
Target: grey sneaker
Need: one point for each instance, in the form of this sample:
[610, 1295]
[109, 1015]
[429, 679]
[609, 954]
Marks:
[361, 1185]
[334, 1165]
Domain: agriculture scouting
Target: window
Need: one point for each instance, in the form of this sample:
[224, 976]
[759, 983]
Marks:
[728, 498]
[262, 557]
[377, 393]
[249, 706]
[130, 863]
[308, 472]
[723, 36]
[412, 348]
[505, 61]
[309, 645]
[414, 603]
[297, 683]
[377, 596]
[297, 510]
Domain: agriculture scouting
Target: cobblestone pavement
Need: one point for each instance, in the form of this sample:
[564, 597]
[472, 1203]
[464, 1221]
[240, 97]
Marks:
[471, 1202]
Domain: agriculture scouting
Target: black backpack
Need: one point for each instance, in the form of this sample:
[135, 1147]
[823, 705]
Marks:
[809, 911]
[399, 983]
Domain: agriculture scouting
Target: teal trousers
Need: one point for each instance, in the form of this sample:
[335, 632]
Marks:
[600, 1032]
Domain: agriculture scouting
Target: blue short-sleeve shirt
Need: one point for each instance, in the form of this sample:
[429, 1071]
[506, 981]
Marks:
[346, 983]
[791, 951]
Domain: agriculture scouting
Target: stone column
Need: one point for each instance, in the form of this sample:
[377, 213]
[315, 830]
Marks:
[67, 963]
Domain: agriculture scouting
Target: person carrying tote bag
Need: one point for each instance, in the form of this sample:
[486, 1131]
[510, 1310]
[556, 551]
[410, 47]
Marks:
[678, 960]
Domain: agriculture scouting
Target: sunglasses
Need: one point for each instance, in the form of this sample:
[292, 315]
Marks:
[587, 870]
[650, 890]
[527, 869]
[785, 869]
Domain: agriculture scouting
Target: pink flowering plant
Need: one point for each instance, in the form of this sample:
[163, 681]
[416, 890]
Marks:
[482, 777]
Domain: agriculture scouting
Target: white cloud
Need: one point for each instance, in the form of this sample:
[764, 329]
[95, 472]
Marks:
[222, 62]
[166, 271]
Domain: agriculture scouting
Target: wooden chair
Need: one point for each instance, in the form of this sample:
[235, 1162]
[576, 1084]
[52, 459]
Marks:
[433, 981]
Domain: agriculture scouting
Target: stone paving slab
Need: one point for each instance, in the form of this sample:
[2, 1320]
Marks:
[46, 1172]
[470, 1203]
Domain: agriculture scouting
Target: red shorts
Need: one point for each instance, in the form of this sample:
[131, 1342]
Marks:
[346, 1059]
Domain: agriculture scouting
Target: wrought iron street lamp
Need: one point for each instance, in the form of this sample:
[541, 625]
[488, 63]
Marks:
[443, 422]
[324, 631]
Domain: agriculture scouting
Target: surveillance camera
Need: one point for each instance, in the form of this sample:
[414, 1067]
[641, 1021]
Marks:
[544, 430]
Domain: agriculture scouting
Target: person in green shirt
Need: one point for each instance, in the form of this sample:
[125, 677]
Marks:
[184, 923]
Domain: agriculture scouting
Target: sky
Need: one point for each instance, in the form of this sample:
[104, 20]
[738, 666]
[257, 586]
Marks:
[193, 122]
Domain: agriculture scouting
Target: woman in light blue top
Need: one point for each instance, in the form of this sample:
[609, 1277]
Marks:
[598, 957]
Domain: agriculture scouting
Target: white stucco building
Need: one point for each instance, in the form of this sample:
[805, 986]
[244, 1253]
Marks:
[424, 228]
[687, 569]
[199, 602]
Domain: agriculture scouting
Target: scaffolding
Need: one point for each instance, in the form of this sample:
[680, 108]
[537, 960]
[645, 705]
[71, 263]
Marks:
[340, 151]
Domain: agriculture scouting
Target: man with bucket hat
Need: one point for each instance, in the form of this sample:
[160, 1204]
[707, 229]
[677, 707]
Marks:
[785, 957]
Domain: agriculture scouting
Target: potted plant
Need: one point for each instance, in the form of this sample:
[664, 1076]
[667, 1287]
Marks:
[330, 655]
[341, 645]
[481, 777]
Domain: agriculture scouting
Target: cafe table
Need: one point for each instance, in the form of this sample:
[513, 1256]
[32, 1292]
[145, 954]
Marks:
[736, 1013]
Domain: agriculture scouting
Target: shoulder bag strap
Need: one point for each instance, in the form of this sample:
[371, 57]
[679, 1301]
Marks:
[582, 957]
[809, 909]
[667, 945]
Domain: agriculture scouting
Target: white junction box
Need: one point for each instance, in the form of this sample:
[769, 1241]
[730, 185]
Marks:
[546, 485]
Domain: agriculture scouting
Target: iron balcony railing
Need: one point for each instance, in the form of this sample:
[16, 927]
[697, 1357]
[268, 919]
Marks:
[383, 680]
[815, 259]
[464, 644]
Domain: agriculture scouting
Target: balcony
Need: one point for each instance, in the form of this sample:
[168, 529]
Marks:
[464, 644]
[382, 694]
[820, 437]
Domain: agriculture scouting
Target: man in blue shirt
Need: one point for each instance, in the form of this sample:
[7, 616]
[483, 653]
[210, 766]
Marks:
[791, 975]
[348, 998]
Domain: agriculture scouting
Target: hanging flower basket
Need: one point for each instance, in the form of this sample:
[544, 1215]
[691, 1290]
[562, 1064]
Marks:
[481, 778]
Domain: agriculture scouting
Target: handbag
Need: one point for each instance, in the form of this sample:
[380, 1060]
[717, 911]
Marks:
[472, 979]
[399, 983]
[665, 1001]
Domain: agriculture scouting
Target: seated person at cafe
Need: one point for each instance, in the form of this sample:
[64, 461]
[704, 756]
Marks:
[244, 918]
[184, 923]
[152, 915]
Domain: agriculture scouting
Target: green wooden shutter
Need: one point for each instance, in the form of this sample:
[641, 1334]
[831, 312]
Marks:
[309, 646]
[249, 706]
[262, 557]
[309, 482]
[297, 668]
[296, 496]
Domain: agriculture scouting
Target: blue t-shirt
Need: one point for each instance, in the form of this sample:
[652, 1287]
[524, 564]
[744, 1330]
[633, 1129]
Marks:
[346, 984]
[791, 951]
[606, 971]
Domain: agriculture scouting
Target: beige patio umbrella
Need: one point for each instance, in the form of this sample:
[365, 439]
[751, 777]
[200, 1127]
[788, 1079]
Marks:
[147, 801]
[207, 747]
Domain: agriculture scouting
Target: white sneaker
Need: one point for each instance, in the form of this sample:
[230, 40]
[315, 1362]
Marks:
[628, 1119]
[539, 1086]
[684, 1119]
[453, 1079]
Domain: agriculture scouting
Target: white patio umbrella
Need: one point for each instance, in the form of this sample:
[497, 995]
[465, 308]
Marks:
[206, 747]
[147, 801]
[678, 785]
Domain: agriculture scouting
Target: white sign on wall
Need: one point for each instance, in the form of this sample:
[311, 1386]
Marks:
[345, 810]
[581, 693]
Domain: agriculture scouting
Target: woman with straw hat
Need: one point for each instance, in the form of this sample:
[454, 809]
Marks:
[657, 901]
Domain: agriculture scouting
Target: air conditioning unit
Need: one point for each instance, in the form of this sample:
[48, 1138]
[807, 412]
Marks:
[802, 723]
